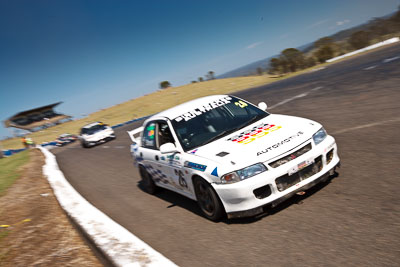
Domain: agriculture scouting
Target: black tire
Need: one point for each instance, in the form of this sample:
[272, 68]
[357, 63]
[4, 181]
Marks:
[208, 200]
[84, 145]
[147, 181]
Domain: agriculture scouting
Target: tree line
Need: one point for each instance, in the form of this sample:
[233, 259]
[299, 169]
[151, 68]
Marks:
[292, 59]
[209, 76]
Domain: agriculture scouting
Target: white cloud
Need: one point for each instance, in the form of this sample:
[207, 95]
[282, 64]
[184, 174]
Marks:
[317, 24]
[283, 36]
[253, 45]
[340, 23]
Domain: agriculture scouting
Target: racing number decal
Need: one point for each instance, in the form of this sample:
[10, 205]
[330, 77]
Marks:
[182, 181]
[241, 104]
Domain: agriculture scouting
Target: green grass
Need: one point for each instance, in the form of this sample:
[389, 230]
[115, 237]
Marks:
[3, 233]
[9, 169]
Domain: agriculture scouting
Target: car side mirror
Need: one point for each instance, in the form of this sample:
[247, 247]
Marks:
[168, 148]
[262, 106]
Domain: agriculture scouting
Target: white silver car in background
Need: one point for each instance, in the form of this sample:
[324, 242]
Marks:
[95, 133]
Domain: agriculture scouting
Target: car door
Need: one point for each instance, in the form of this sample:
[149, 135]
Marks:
[173, 162]
[166, 169]
[151, 155]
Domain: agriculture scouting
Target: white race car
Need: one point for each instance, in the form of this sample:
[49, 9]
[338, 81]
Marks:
[231, 156]
[96, 133]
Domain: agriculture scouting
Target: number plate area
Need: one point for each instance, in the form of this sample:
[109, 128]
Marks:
[299, 173]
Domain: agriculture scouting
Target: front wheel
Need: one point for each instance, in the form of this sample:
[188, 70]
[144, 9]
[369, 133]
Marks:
[84, 144]
[147, 181]
[208, 200]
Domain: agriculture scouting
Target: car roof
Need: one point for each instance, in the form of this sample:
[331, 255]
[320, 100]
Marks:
[92, 124]
[178, 110]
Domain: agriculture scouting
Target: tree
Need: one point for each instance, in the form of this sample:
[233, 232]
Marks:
[324, 53]
[201, 79]
[210, 75]
[293, 58]
[259, 71]
[396, 17]
[379, 27]
[323, 42]
[359, 39]
[310, 61]
[275, 65]
[165, 84]
[193, 81]
[326, 48]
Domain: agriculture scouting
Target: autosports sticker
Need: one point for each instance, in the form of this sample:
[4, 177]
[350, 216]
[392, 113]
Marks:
[254, 133]
[195, 166]
[287, 140]
[203, 109]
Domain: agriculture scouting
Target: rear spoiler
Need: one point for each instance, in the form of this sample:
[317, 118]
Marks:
[135, 134]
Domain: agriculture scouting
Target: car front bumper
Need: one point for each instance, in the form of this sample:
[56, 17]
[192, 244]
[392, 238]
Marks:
[248, 197]
[103, 139]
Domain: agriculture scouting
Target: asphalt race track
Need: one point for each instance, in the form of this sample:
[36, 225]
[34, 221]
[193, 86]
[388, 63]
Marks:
[353, 220]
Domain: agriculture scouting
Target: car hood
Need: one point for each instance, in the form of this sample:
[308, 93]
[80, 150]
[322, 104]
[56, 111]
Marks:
[261, 141]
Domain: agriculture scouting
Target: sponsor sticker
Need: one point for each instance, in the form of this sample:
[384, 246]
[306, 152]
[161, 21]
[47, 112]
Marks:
[174, 160]
[253, 134]
[150, 131]
[193, 151]
[203, 109]
[195, 166]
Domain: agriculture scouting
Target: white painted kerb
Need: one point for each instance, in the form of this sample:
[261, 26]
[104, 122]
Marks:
[120, 245]
[389, 41]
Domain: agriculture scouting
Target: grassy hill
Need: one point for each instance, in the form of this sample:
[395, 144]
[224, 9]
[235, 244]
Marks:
[145, 105]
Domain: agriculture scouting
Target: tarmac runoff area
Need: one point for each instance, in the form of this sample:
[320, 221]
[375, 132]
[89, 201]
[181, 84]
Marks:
[118, 245]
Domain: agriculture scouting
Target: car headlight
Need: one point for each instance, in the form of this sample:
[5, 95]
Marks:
[242, 174]
[319, 136]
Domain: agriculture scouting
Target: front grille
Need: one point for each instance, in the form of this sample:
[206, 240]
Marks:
[262, 192]
[286, 181]
[291, 156]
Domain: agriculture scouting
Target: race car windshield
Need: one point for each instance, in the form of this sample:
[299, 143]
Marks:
[94, 129]
[214, 121]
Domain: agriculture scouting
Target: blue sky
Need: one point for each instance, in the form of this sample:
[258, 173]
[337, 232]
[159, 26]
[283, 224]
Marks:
[95, 54]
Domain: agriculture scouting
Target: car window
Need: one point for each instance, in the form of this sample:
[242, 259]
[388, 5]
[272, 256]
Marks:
[94, 129]
[149, 133]
[164, 134]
